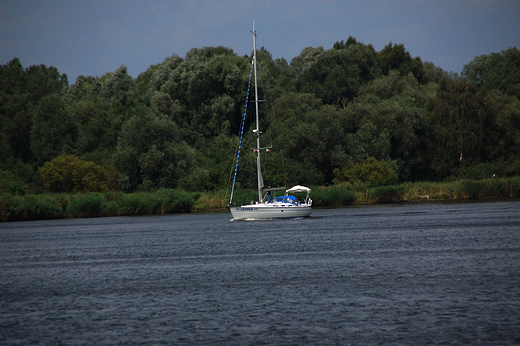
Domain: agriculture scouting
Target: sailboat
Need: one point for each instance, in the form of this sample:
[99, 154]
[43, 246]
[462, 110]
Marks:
[286, 206]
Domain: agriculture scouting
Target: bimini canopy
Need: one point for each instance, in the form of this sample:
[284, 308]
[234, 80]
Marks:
[298, 188]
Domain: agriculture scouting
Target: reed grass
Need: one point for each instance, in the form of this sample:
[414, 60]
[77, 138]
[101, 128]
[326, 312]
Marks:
[14, 207]
[211, 200]
[94, 204]
[29, 207]
[462, 189]
[333, 196]
[474, 189]
[428, 190]
[245, 196]
[88, 204]
[386, 194]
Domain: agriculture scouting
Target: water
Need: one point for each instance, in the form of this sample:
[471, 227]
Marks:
[429, 273]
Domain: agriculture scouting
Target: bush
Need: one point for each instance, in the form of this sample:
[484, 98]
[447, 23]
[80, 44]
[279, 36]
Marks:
[69, 173]
[11, 184]
[18, 178]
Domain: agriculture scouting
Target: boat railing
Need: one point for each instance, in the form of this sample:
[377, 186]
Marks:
[239, 202]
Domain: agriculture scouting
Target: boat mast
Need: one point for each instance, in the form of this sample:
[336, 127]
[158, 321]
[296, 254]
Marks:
[257, 131]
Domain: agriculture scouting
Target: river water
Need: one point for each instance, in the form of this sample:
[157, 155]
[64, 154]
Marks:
[404, 274]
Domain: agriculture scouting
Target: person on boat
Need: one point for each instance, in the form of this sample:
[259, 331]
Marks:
[269, 196]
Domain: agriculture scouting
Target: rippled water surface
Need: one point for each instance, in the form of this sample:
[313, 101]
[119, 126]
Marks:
[441, 273]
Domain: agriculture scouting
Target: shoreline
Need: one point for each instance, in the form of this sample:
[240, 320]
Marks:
[169, 201]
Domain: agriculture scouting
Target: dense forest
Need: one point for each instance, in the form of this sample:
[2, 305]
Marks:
[326, 114]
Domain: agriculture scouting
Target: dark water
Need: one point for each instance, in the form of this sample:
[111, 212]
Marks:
[430, 273]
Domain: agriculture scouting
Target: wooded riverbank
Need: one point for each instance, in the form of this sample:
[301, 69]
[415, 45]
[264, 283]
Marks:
[168, 201]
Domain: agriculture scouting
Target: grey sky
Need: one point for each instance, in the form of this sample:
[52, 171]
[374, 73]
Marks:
[94, 37]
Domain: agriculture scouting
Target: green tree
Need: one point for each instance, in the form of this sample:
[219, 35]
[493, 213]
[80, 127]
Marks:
[284, 80]
[13, 77]
[81, 90]
[496, 71]
[395, 57]
[151, 154]
[117, 86]
[204, 93]
[344, 45]
[93, 116]
[54, 131]
[432, 73]
[15, 124]
[101, 106]
[307, 57]
[20, 90]
[306, 131]
[505, 111]
[43, 80]
[367, 142]
[337, 74]
[218, 159]
[462, 127]
[161, 72]
[387, 121]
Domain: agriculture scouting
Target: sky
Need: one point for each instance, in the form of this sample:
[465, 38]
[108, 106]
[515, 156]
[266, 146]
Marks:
[94, 37]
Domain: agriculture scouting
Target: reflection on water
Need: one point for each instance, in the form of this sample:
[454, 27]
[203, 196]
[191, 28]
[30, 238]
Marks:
[396, 274]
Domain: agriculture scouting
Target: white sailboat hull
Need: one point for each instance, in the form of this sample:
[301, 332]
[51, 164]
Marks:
[262, 211]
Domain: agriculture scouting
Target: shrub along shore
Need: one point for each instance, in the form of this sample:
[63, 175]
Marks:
[168, 201]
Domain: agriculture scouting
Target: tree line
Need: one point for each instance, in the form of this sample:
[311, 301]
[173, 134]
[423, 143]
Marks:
[328, 115]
